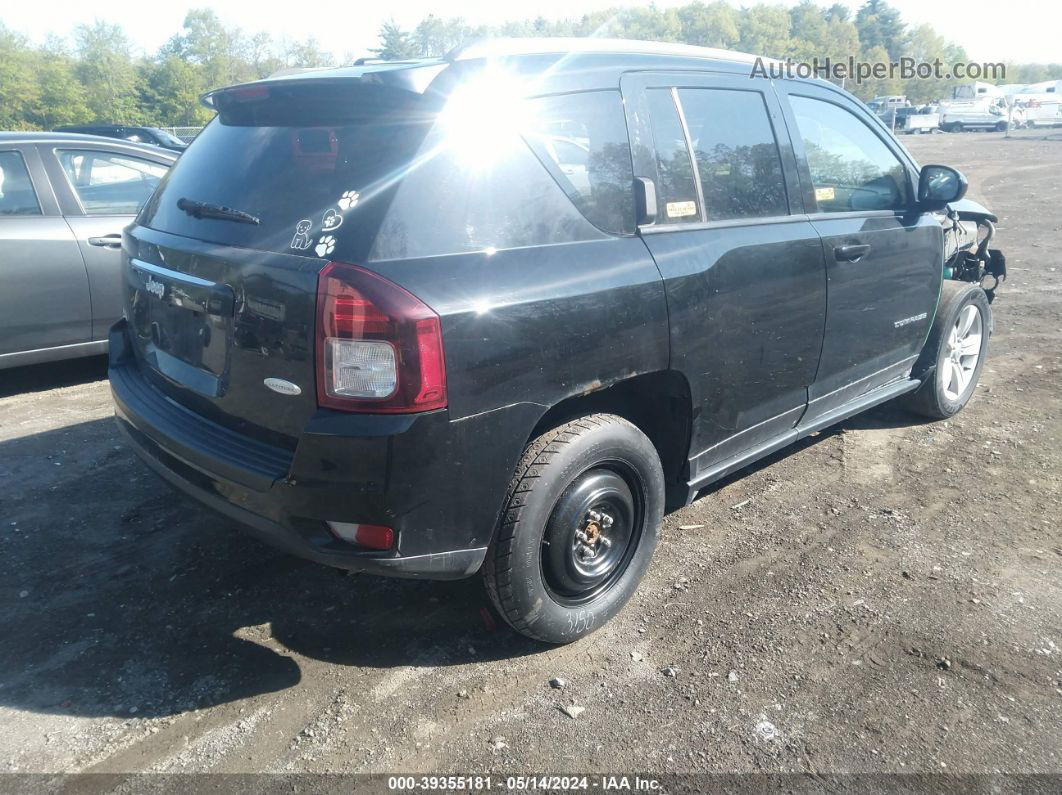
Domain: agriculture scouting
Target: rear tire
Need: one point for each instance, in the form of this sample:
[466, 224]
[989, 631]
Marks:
[597, 477]
[954, 354]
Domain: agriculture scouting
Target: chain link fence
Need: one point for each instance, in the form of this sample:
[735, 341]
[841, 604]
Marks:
[186, 134]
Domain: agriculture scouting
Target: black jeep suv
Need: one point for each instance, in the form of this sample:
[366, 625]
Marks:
[499, 311]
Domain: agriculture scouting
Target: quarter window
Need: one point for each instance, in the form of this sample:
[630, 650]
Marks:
[17, 196]
[851, 168]
[582, 139]
[110, 184]
[736, 153]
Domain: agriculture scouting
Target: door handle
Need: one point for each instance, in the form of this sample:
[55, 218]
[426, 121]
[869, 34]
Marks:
[851, 253]
[107, 241]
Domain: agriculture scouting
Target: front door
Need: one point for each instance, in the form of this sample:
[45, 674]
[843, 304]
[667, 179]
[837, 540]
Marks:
[883, 257]
[742, 267]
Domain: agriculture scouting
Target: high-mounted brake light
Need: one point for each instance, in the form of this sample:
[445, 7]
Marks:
[379, 348]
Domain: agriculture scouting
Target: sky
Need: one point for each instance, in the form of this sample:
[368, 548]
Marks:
[1020, 31]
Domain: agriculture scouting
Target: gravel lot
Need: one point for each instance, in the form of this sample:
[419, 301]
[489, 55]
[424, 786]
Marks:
[885, 597]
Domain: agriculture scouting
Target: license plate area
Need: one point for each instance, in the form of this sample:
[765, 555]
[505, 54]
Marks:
[185, 324]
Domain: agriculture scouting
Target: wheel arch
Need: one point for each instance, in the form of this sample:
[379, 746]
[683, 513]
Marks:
[657, 403]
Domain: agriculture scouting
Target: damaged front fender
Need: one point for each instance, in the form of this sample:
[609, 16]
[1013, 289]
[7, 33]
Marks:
[968, 229]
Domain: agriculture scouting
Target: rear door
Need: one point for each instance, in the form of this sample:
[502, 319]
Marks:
[742, 267]
[100, 191]
[44, 295]
[883, 257]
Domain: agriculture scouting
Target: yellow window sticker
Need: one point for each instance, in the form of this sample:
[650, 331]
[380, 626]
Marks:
[824, 194]
[681, 209]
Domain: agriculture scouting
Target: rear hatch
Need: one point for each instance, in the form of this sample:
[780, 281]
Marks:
[220, 302]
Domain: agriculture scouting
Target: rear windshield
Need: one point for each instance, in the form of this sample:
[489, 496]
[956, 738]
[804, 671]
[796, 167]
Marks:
[358, 171]
[294, 160]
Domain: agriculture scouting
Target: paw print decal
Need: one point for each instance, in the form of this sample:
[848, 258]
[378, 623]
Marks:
[325, 245]
[348, 200]
[331, 220]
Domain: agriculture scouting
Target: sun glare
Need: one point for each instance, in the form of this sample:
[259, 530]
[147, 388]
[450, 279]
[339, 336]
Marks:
[484, 117]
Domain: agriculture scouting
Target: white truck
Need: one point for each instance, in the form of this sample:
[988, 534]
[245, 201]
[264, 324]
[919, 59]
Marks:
[882, 105]
[911, 120]
[985, 113]
[1041, 103]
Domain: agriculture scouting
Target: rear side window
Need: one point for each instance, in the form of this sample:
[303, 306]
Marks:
[851, 168]
[677, 191]
[582, 139]
[17, 196]
[736, 152]
[110, 184]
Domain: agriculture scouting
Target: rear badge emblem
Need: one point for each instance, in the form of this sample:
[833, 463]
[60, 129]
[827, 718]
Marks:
[282, 386]
[156, 288]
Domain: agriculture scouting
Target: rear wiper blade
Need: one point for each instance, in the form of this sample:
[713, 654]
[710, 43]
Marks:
[204, 210]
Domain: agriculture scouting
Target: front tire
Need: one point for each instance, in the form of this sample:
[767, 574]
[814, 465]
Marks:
[577, 530]
[954, 354]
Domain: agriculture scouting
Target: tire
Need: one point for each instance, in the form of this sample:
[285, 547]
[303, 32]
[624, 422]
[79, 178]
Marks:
[539, 575]
[942, 393]
[1001, 126]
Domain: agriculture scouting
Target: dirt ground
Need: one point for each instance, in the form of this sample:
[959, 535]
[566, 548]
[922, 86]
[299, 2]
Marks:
[885, 597]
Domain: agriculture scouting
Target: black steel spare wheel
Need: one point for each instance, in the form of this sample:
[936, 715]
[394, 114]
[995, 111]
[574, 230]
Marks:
[590, 536]
[577, 529]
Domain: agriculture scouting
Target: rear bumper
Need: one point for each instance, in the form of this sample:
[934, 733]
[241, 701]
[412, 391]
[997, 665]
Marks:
[398, 471]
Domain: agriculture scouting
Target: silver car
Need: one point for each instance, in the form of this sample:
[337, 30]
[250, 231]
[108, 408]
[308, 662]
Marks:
[64, 200]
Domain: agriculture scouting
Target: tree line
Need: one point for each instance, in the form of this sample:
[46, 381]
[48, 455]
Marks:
[96, 76]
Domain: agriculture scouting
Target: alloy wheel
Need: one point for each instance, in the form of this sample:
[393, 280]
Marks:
[962, 352]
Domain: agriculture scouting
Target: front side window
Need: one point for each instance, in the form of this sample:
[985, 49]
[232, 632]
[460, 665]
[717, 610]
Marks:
[582, 138]
[851, 168]
[736, 152]
[676, 194]
[17, 196]
[110, 184]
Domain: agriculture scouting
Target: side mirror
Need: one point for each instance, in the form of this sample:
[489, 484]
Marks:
[939, 186]
[645, 200]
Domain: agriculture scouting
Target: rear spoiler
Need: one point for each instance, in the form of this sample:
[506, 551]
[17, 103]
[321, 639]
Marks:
[412, 76]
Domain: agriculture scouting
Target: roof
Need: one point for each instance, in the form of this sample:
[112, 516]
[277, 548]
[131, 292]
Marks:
[24, 137]
[502, 48]
[558, 64]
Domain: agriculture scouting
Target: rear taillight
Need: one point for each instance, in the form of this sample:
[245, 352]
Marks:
[379, 348]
